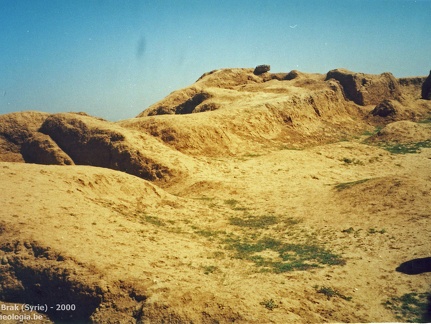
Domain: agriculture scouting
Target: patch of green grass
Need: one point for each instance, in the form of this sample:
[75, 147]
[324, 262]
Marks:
[373, 132]
[411, 307]
[252, 155]
[218, 255]
[206, 233]
[269, 304]
[233, 203]
[408, 148]
[330, 292]
[290, 148]
[289, 256]
[290, 221]
[205, 198]
[152, 220]
[346, 185]
[375, 231]
[209, 269]
[352, 161]
[254, 221]
[425, 121]
[351, 230]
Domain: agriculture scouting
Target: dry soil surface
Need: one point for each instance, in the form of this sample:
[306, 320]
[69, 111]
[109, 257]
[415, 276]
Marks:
[266, 233]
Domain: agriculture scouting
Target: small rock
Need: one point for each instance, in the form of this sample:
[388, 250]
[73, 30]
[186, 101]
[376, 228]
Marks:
[4, 260]
[261, 69]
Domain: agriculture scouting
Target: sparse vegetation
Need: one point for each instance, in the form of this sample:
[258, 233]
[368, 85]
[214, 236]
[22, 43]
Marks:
[284, 257]
[425, 121]
[254, 221]
[206, 233]
[351, 230]
[373, 132]
[251, 155]
[330, 292]
[411, 307]
[290, 148]
[152, 220]
[346, 185]
[218, 255]
[204, 198]
[231, 202]
[374, 231]
[352, 161]
[209, 269]
[234, 204]
[269, 304]
[263, 222]
[408, 147]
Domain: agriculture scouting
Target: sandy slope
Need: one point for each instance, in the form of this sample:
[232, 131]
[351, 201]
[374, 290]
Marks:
[179, 250]
[122, 229]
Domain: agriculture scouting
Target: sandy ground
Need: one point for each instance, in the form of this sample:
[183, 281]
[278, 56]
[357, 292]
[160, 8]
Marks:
[170, 243]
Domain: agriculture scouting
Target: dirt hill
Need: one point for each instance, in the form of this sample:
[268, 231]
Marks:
[270, 198]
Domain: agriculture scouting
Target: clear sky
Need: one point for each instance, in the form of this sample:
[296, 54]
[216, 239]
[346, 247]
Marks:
[114, 58]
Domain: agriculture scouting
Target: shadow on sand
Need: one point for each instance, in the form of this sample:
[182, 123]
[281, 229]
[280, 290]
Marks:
[415, 266]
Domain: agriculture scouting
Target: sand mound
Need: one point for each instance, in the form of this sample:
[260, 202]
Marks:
[246, 112]
[403, 132]
[40, 148]
[196, 98]
[366, 89]
[15, 128]
[57, 265]
[207, 92]
[90, 141]
[70, 138]
[382, 194]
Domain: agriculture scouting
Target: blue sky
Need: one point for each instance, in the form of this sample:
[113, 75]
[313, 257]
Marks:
[114, 58]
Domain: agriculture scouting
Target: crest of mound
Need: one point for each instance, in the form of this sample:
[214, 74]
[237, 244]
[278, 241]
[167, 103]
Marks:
[245, 112]
[15, 129]
[76, 138]
[366, 89]
[218, 88]
[90, 141]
